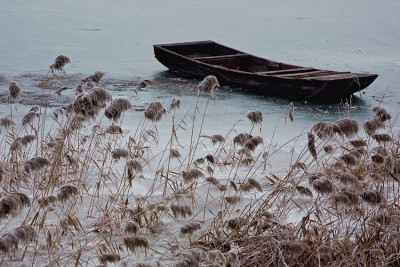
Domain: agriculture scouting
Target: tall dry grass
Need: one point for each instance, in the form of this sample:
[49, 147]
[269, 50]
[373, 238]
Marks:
[68, 178]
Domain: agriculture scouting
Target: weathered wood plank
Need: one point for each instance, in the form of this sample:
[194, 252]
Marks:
[220, 57]
[272, 72]
[305, 74]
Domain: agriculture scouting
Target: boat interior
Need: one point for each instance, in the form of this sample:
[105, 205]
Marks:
[216, 54]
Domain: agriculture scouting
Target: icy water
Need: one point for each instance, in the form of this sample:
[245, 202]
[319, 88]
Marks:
[117, 38]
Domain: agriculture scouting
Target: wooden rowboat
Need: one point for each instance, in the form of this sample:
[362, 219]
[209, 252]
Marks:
[264, 76]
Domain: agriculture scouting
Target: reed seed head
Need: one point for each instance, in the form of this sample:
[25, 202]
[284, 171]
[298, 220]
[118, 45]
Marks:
[154, 111]
[233, 199]
[358, 143]
[143, 84]
[207, 86]
[191, 175]
[66, 191]
[349, 159]
[210, 159]
[114, 129]
[131, 227]
[253, 142]
[134, 242]
[304, 191]
[372, 125]
[350, 180]
[241, 138]
[326, 130]
[181, 210]
[15, 91]
[6, 122]
[291, 111]
[348, 127]
[382, 138]
[323, 186]
[29, 117]
[176, 103]
[190, 228]
[311, 145]
[328, 149]
[116, 108]
[212, 180]
[13, 203]
[35, 164]
[373, 197]
[174, 153]
[119, 153]
[95, 77]
[46, 201]
[255, 117]
[381, 113]
[59, 63]
[255, 184]
[109, 257]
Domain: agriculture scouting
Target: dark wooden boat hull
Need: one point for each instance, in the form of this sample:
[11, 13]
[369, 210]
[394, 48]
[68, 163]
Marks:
[262, 76]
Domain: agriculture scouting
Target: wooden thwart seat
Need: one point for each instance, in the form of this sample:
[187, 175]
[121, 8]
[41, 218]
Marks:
[220, 57]
[310, 73]
[273, 72]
